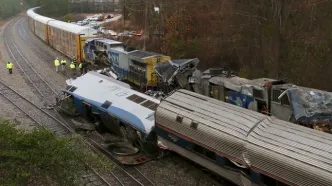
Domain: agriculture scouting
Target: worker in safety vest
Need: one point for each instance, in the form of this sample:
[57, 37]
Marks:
[75, 61]
[72, 66]
[57, 64]
[80, 66]
[63, 64]
[10, 67]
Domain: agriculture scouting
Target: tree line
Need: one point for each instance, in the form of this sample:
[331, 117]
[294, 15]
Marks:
[280, 39]
[10, 8]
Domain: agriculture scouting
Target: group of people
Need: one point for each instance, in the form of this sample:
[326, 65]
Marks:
[82, 66]
[72, 66]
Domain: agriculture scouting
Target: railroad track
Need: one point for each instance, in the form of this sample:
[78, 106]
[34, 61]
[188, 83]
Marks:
[41, 86]
[35, 113]
[35, 45]
[130, 175]
[51, 120]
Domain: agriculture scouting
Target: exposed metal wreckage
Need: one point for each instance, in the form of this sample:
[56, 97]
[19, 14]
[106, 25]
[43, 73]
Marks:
[305, 106]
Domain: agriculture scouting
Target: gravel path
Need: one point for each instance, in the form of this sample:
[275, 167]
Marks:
[54, 79]
[176, 171]
[16, 81]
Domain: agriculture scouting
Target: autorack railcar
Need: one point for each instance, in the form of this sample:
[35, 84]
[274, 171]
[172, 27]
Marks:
[67, 38]
[246, 147]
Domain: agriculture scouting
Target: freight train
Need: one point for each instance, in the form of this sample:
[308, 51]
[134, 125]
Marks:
[243, 146]
[66, 38]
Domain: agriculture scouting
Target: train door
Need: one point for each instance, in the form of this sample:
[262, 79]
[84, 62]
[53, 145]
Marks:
[217, 92]
[111, 123]
[87, 108]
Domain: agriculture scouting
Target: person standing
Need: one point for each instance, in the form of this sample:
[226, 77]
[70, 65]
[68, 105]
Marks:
[75, 61]
[63, 64]
[72, 66]
[57, 64]
[80, 66]
[10, 67]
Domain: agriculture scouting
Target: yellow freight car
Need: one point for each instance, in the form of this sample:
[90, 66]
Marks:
[65, 37]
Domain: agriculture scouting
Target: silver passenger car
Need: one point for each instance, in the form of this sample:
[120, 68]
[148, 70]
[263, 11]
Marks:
[290, 153]
[217, 126]
[263, 149]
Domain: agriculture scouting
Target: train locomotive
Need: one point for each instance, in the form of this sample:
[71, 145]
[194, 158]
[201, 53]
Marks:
[112, 106]
[243, 146]
[130, 65]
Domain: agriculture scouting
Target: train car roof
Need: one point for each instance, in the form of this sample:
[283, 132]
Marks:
[104, 40]
[143, 54]
[73, 28]
[37, 17]
[82, 30]
[291, 153]
[116, 98]
[234, 82]
[220, 126]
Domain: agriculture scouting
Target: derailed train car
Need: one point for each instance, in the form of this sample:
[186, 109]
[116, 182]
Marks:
[112, 106]
[243, 146]
[67, 38]
[246, 147]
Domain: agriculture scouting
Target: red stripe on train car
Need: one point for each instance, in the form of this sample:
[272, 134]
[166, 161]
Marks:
[194, 141]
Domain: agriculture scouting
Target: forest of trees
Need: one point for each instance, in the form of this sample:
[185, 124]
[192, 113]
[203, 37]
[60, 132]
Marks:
[9, 8]
[281, 39]
[54, 7]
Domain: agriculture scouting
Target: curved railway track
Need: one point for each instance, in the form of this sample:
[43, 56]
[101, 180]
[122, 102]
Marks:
[129, 174]
[45, 120]
[51, 120]
[38, 46]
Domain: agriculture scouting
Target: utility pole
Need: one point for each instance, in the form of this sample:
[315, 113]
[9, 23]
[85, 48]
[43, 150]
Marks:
[159, 23]
[124, 12]
[146, 23]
